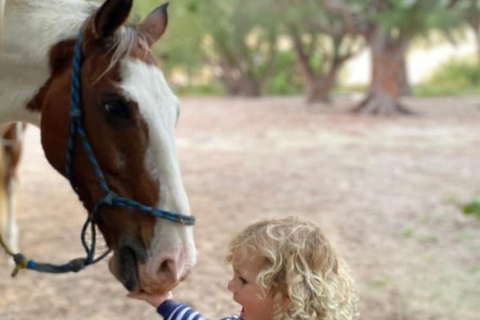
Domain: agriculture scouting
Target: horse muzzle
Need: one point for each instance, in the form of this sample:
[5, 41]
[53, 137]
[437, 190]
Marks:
[137, 272]
[124, 266]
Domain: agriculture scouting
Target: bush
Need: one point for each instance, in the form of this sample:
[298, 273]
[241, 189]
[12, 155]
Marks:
[456, 77]
[201, 90]
[285, 79]
[472, 208]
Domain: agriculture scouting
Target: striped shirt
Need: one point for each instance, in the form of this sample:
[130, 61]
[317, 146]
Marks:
[171, 310]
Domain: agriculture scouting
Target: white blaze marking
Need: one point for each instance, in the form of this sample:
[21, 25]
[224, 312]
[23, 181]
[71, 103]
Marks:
[146, 85]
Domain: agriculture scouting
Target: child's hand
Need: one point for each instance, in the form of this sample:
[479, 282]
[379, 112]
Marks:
[154, 300]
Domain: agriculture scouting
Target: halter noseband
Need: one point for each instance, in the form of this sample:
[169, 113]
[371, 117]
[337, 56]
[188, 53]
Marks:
[110, 198]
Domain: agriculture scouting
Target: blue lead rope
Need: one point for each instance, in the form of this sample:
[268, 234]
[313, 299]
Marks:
[110, 198]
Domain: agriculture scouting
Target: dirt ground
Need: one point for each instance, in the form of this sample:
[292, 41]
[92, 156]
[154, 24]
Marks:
[382, 189]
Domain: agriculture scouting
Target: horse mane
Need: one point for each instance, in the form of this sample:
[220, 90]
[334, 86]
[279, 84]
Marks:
[124, 42]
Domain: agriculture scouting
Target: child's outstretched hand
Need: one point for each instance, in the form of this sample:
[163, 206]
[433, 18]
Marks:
[154, 300]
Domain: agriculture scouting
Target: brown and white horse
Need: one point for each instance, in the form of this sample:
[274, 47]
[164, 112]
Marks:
[11, 140]
[129, 115]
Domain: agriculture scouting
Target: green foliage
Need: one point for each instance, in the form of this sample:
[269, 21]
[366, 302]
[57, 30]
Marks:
[408, 17]
[217, 34]
[472, 208]
[357, 88]
[213, 89]
[456, 77]
[408, 232]
[243, 36]
[285, 79]
[180, 46]
[428, 238]
[381, 282]
[320, 41]
[469, 208]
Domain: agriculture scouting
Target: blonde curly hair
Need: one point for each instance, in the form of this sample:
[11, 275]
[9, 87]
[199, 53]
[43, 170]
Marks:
[301, 267]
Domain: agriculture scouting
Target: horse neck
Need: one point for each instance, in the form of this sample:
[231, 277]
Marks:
[30, 29]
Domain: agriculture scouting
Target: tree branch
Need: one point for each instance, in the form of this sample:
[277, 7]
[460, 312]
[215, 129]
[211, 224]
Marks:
[303, 57]
[354, 24]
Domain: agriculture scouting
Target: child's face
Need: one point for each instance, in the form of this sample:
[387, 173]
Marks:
[246, 292]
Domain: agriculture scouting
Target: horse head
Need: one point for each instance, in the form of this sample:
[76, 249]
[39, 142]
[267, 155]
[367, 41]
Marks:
[129, 116]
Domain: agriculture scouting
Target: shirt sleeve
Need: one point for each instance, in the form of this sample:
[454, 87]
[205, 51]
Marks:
[171, 310]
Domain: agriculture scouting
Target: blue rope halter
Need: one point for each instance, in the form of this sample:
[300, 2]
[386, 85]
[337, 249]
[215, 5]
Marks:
[110, 198]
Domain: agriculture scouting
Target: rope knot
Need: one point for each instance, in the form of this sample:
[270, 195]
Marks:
[108, 199]
[77, 264]
[21, 262]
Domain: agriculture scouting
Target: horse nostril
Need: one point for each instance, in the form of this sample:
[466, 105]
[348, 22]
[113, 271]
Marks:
[164, 267]
[167, 267]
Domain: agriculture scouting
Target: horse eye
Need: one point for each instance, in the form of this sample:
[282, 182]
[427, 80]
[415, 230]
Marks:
[118, 109]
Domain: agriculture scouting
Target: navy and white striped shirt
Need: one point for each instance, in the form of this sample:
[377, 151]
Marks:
[171, 310]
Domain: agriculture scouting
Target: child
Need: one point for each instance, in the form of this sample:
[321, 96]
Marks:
[283, 269]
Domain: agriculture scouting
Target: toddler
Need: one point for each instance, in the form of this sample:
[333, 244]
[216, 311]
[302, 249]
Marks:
[283, 269]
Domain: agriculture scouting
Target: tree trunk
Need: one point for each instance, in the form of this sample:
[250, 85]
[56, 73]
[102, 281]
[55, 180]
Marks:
[387, 56]
[319, 87]
[405, 87]
[477, 40]
[242, 86]
[473, 20]
[248, 87]
[318, 92]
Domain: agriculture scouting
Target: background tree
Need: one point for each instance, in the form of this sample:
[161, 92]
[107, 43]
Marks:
[180, 47]
[235, 40]
[388, 26]
[472, 17]
[322, 45]
[239, 42]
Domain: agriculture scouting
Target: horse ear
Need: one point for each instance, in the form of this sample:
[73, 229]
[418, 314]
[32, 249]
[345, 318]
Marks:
[154, 26]
[111, 16]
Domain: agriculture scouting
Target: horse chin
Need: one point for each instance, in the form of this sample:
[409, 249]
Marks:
[123, 266]
[155, 285]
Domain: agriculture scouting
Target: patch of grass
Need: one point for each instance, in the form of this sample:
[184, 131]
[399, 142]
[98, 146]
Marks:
[201, 90]
[454, 199]
[353, 88]
[424, 217]
[472, 208]
[466, 237]
[381, 283]
[438, 90]
[429, 257]
[408, 232]
[457, 77]
[428, 239]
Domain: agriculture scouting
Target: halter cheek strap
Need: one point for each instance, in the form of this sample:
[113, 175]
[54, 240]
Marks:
[109, 199]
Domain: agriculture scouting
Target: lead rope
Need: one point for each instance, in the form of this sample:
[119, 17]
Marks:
[75, 265]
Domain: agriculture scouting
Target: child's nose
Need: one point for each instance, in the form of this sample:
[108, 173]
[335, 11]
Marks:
[230, 286]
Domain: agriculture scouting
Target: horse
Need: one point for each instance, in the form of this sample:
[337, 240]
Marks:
[11, 140]
[90, 81]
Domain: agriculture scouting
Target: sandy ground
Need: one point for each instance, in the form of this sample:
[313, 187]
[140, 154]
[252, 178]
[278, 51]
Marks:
[382, 189]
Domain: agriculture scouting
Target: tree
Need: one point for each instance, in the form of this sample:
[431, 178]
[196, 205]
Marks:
[321, 43]
[240, 42]
[235, 39]
[472, 15]
[180, 46]
[388, 26]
